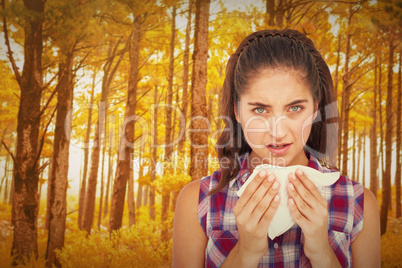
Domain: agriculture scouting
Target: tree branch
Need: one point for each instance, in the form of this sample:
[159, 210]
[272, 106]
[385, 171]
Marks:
[63, 73]
[9, 51]
[41, 168]
[8, 150]
[4, 133]
[43, 136]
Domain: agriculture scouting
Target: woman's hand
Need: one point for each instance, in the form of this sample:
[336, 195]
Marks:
[309, 210]
[254, 212]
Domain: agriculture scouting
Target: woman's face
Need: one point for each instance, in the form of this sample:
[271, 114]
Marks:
[276, 112]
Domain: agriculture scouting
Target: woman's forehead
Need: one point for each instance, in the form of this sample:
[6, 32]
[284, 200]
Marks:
[277, 87]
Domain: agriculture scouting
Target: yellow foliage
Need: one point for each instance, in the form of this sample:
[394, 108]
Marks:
[138, 246]
[171, 182]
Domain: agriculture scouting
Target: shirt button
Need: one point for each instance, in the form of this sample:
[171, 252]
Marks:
[276, 246]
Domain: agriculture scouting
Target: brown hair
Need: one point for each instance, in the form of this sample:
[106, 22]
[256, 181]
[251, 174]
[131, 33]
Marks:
[272, 49]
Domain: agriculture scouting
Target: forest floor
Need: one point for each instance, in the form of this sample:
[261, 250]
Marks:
[99, 250]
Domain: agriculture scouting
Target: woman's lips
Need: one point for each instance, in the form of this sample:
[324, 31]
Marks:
[279, 149]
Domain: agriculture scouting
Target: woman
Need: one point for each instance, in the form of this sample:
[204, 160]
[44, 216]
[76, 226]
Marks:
[279, 100]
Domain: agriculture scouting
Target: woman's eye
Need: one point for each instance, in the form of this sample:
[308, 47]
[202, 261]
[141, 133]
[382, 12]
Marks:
[259, 110]
[295, 108]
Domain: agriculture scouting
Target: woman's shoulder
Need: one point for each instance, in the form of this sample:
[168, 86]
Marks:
[190, 192]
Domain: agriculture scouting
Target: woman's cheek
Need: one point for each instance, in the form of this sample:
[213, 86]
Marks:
[254, 131]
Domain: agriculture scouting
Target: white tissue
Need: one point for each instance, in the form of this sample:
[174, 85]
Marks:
[282, 221]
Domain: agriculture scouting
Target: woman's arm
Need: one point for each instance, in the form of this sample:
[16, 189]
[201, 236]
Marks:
[366, 246]
[309, 210]
[189, 240]
[253, 211]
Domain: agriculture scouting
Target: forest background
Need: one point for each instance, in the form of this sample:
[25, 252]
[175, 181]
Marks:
[100, 101]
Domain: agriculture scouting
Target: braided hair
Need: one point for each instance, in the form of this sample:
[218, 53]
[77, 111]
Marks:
[273, 49]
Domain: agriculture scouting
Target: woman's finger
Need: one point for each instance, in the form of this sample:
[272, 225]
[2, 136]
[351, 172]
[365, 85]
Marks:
[310, 186]
[297, 188]
[266, 219]
[251, 188]
[256, 198]
[263, 205]
[306, 208]
[297, 216]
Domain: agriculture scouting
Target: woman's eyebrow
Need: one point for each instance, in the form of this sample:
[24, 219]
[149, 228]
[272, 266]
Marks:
[258, 104]
[297, 102]
[268, 106]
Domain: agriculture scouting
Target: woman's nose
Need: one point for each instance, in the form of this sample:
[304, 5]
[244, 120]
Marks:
[278, 127]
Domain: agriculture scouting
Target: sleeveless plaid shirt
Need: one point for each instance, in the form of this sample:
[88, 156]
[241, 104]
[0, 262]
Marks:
[215, 214]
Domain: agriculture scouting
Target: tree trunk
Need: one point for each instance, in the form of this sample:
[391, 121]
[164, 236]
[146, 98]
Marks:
[336, 82]
[58, 180]
[140, 183]
[146, 195]
[280, 14]
[382, 157]
[336, 76]
[174, 134]
[130, 200]
[346, 97]
[398, 173]
[354, 176]
[364, 158]
[199, 135]
[109, 176]
[81, 200]
[26, 160]
[358, 158]
[168, 137]
[373, 139]
[386, 181]
[340, 133]
[127, 138]
[102, 187]
[139, 195]
[1, 185]
[270, 11]
[5, 197]
[108, 77]
[184, 97]
[89, 208]
[11, 196]
[154, 159]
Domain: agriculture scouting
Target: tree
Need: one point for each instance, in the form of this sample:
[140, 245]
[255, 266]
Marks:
[346, 94]
[184, 97]
[127, 137]
[109, 179]
[386, 180]
[168, 133]
[398, 173]
[27, 155]
[58, 180]
[109, 74]
[154, 148]
[199, 132]
[102, 187]
[373, 139]
[81, 198]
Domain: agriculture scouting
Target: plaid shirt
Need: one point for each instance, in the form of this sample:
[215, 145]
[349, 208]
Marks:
[215, 213]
